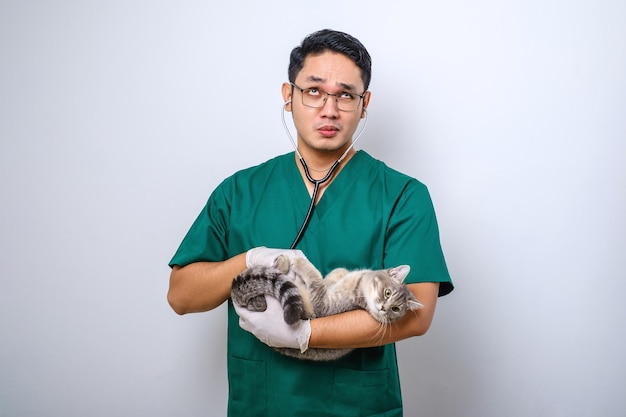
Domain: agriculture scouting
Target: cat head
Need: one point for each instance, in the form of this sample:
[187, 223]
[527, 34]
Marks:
[391, 298]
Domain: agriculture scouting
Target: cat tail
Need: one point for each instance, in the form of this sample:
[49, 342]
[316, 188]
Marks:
[291, 300]
[250, 288]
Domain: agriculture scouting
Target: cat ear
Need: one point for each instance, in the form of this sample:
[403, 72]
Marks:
[400, 272]
[413, 304]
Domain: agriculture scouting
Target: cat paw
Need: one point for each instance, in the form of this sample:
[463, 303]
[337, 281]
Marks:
[299, 262]
[282, 263]
[257, 303]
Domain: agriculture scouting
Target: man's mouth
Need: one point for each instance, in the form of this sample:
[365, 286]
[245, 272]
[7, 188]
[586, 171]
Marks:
[328, 131]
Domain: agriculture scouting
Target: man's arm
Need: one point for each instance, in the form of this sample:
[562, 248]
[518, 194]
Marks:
[203, 286]
[357, 329]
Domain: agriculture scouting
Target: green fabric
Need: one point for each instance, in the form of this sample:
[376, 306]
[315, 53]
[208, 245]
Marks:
[370, 216]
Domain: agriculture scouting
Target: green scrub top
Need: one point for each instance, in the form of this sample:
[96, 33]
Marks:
[370, 216]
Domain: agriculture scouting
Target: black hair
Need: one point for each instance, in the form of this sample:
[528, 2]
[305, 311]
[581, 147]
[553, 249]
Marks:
[335, 41]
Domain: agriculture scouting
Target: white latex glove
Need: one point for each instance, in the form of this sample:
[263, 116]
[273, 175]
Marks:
[270, 328]
[263, 256]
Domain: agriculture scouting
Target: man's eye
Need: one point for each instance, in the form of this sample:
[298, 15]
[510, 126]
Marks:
[312, 92]
[346, 96]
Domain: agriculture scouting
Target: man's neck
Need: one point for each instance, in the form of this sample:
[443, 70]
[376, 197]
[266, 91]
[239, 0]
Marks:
[319, 163]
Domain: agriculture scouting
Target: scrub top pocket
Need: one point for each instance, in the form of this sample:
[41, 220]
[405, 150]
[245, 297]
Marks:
[364, 393]
[251, 375]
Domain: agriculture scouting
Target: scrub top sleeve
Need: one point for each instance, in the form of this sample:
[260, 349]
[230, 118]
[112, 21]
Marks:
[206, 240]
[412, 238]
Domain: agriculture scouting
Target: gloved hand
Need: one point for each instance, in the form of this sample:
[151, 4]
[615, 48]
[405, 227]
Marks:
[270, 328]
[263, 256]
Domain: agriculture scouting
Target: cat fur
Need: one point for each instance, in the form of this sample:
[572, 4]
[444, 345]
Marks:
[380, 292]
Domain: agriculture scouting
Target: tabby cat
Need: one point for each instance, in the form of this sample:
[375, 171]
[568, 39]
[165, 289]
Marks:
[381, 292]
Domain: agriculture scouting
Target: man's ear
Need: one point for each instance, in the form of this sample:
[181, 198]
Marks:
[366, 102]
[286, 91]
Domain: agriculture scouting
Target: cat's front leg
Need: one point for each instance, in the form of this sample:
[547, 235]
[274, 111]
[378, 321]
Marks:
[306, 271]
[301, 270]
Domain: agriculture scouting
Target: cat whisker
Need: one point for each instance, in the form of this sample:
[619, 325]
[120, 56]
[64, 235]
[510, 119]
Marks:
[379, 337]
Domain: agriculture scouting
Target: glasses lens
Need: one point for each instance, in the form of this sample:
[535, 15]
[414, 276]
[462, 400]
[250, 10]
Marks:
[348, 103]
[317, 98]
[313, 98]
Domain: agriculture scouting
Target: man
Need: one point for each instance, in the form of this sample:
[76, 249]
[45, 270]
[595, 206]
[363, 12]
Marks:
[366, 216]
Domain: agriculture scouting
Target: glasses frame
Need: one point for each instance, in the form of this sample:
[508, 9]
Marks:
[326, 94]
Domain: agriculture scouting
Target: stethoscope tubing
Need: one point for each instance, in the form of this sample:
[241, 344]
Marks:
[316, 183]
[316, 187]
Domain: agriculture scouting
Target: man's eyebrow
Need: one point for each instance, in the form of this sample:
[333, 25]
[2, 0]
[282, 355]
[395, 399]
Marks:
[345, 86]
[315, 79]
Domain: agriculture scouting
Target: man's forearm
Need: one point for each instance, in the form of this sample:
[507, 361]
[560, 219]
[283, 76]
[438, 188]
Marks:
[357, 329]
[203, 286]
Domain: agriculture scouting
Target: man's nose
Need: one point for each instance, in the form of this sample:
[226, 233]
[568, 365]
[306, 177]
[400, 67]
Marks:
[330, 108]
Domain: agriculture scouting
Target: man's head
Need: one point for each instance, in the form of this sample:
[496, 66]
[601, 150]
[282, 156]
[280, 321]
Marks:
[327, 94]
[334, 41]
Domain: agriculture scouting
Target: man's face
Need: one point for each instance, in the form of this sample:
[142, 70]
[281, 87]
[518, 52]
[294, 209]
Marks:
[326, 129]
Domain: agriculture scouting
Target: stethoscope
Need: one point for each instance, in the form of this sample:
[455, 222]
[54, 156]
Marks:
[316, 183]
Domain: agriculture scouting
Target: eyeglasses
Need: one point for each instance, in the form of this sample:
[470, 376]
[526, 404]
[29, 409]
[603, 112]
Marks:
[316, 98]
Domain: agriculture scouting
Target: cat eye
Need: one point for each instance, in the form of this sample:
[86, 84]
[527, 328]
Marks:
[395, 309]
[387, 292]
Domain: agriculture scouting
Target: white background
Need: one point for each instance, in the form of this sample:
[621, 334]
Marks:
[118, 118]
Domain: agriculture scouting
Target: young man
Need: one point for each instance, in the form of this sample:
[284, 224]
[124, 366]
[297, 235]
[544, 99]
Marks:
[366, 216]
